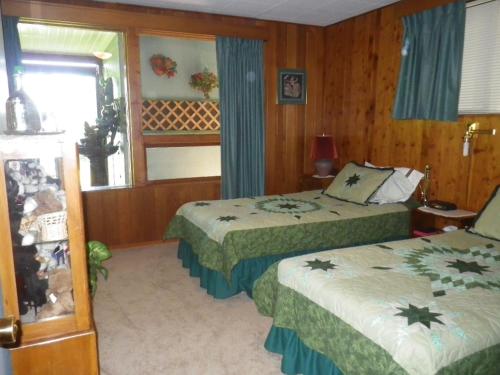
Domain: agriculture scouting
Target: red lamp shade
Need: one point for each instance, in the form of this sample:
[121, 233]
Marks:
[323, 148]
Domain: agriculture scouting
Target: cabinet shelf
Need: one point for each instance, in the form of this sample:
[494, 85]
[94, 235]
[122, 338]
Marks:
[43, 269]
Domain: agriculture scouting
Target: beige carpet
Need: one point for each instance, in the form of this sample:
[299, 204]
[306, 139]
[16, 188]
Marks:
[153, 318]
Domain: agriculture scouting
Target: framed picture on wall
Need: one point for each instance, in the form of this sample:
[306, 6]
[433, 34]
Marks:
[292, 86]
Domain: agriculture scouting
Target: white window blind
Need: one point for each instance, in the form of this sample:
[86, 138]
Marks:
[480, 89]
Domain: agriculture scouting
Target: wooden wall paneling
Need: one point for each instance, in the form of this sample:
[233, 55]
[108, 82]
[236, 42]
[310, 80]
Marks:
[274, 114]
[362, 98]
[387, 69]
[345, 126]
[271, 110]
[315, 63]
[350, 84]
[289, 49]
[290, 127]
[442, 150]
[484, 161]
[136, 215]
[341, 123]
[394, 142]
[333, 93]
[293, 123]
[407, 7]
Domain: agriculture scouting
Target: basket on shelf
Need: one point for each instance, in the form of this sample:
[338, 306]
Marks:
[52, 226]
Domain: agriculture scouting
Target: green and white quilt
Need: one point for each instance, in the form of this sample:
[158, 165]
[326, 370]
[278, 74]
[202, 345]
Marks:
[421, 306]
[224, 232]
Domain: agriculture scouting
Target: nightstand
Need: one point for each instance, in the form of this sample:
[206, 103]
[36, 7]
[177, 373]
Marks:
[427, 221]
[314, 182]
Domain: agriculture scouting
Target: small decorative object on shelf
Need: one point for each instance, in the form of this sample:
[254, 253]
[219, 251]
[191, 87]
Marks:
[323, 152]
[163, 66]
[22, 114]
[204, 81]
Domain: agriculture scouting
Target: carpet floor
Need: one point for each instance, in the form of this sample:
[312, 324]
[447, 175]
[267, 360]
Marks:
[153, 318]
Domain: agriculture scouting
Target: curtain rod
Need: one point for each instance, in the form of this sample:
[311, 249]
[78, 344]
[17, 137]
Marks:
[475, 3]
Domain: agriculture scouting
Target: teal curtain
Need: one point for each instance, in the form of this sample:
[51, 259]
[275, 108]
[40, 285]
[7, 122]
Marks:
[12, 46]
[241, 89]
[431, 64]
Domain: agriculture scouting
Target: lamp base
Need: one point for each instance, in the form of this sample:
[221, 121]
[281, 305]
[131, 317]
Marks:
[323, 167]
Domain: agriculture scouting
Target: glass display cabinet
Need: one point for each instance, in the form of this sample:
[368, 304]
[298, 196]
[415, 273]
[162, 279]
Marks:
[43, 265]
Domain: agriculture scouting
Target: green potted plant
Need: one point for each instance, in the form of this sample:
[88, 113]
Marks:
[97, 254]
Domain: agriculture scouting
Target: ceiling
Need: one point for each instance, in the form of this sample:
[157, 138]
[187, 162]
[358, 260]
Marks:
[309, 12]
[64, 40]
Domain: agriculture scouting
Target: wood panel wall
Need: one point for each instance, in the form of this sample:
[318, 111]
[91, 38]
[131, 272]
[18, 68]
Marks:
[362, 59]
[290, 128]
[140, 214]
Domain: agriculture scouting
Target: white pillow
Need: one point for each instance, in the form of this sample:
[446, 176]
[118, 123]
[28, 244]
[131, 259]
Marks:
[398, 187]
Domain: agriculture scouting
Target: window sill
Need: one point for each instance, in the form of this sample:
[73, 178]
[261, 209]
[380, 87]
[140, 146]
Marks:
[181, 140]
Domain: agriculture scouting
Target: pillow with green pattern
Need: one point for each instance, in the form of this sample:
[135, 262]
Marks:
[356, 183]
[487, 223]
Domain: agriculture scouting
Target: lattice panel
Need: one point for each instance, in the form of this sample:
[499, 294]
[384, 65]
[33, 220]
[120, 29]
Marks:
[180, 115]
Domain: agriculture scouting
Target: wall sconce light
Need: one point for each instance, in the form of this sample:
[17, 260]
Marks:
[473, 129]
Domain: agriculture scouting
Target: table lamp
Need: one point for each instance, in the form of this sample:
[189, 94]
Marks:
[323, 152]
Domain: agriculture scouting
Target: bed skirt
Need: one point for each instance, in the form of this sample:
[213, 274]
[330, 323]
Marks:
[297, 357]
[243, 274]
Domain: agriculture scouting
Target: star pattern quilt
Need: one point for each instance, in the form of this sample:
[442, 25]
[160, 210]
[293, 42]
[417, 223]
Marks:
[421, 306]
[224, 232]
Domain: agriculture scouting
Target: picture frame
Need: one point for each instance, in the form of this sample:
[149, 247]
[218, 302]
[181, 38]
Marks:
[292, 86]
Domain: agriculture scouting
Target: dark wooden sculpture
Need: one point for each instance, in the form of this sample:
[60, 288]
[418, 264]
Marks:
[99, 139]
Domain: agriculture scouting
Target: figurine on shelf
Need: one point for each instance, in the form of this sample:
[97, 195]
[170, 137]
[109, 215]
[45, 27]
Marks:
[46, 259]
[22, 114]
[16, 203]
[31, 289]
[60, 253]
[59, 295]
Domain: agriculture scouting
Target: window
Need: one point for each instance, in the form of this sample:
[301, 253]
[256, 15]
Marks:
[480, 90]
[180, 107]
[72, 74]
[165, 163]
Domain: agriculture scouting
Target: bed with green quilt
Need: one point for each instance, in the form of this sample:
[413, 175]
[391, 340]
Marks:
[228, 244]
[422, 306]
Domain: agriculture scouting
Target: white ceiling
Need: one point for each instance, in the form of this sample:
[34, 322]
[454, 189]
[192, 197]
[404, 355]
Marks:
[309, 12]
